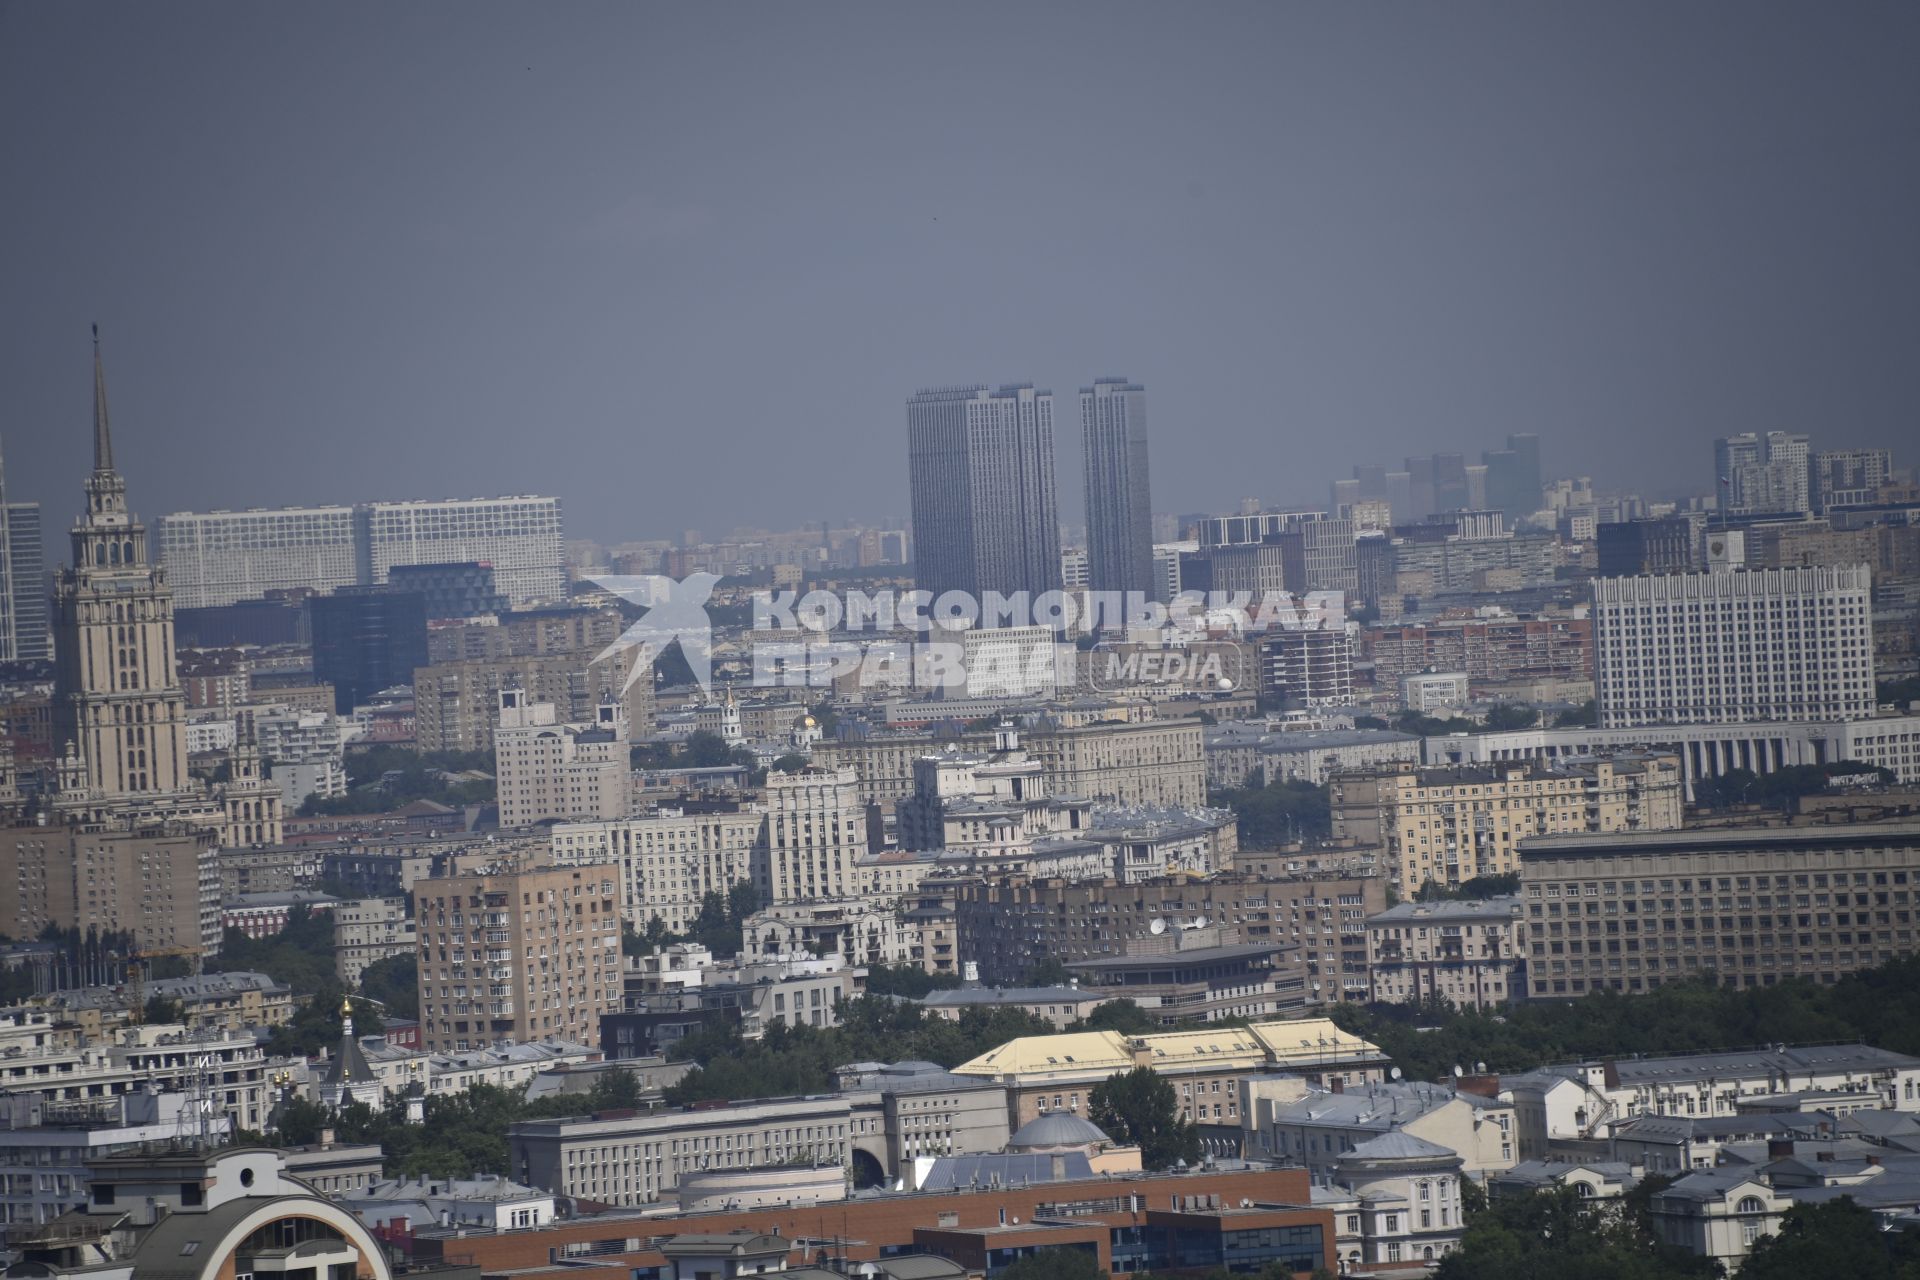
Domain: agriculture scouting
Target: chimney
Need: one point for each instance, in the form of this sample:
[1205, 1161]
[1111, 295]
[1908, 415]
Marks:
[1484, 1086]
[326, 1137]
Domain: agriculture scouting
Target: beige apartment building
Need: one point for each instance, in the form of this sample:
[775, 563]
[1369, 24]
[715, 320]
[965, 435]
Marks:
[456, 703]
[1148, 762]
[1457, 823]
[525, 632]
[1748, 906]
[368, 930]
[164, 888]
[519, 953]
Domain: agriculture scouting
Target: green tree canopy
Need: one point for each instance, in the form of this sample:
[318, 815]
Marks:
[797, 1060]
[1279, 813]
[1584, 716]
[1139, 1108]
[395, 983]
[1504, 716]
[159, 1009]
[1559, 1235]
[1122, 1015]
[1837, 1238]
[300, 955]
[908, 980]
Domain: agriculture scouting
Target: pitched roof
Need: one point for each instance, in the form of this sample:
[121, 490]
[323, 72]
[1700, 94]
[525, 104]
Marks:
[1399, 1145]
[349, 1065]
[1301, 1041]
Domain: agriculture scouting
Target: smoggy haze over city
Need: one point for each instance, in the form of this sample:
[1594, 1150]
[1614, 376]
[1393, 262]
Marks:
[683, 265]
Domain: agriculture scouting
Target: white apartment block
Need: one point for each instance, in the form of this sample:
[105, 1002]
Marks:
[217, 557]
[1008, 662]
[1736, 645]
[229, 1065]
[670, 860]
[860, 932]
[1073, 568]
[816, 830]
[368, 930]
[805, 844]
[519, 536]
[551, 771]
[45, 1146]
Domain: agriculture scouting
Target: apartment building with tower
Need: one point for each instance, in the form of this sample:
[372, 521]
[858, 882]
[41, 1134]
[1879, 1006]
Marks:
[553, 771]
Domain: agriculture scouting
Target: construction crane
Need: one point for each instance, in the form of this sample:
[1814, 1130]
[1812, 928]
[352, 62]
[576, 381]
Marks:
[139, 968]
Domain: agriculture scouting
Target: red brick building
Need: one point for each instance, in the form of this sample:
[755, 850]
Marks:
[1247, 1220]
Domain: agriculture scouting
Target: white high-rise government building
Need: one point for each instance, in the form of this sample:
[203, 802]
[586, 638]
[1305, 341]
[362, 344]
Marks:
[1734, 645]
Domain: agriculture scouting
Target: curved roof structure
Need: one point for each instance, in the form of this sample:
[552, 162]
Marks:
[1057, 1129]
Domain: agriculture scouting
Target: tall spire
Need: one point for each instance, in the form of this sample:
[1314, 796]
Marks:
[102, 437]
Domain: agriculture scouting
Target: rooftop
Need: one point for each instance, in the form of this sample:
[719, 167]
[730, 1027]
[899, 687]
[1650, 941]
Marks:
[1500, 908]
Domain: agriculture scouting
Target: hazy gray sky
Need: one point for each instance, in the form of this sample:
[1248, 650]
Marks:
[682, 264]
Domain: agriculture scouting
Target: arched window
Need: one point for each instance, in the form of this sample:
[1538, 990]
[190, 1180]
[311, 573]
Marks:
[1751, 1204]
[1584, 1190]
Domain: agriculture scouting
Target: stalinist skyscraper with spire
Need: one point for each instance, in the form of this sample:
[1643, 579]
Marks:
[123, 836]
[118, 708]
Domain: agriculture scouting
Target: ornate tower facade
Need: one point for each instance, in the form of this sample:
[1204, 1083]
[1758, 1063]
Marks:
[117, 697]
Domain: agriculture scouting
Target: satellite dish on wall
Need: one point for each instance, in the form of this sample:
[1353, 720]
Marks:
[1395, 1073]
[1156, 926]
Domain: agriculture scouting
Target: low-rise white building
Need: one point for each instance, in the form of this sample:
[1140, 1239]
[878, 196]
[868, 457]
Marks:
[1317, 1129]
[1395, 1200]
[45, 1146]
[1252, 753]
[1585, 1101]
[490, 1201]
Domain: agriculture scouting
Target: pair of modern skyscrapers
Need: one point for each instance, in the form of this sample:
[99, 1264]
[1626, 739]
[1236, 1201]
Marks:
[985, 516]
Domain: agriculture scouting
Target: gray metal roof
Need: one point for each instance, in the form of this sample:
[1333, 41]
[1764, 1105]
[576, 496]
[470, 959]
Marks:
[960, 1173]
